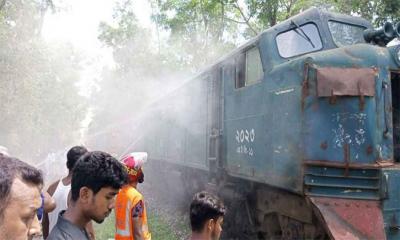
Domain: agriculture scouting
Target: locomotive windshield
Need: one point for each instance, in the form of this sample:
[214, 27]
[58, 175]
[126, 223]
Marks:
[299, 40]
[346, 34]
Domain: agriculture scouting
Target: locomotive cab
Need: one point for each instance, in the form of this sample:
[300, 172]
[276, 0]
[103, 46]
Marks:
[349, 108]
[319, 31]
[332, 78]
[311, 31]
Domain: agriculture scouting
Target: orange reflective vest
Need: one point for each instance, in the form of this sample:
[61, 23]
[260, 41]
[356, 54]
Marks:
[130, 215]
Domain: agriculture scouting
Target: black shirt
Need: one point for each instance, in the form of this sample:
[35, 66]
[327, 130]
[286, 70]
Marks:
[65, 230]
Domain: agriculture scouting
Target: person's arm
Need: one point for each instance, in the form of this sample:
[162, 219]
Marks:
[45, 223]
[90, 230]
[49, 203]
[137, 212]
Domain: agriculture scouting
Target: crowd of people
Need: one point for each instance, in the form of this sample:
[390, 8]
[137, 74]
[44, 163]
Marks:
[96, 184]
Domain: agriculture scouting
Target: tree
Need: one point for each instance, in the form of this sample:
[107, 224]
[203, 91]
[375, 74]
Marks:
[206, 25]
[40, 104]
[123, 89]
[200, 31]
[377, 12]
[203, 30]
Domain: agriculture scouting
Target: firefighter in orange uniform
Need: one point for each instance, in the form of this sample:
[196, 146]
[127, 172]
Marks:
[130, 211]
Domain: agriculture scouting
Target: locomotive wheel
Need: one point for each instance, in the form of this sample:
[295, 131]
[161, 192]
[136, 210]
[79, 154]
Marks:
[280, 227]
[283, 215]
[270, 228]
[294, 229]
[290, 228]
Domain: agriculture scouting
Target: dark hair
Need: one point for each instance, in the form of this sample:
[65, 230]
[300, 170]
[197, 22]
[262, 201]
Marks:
[73, 156]
[11, 168]
[97, 170]
[204, 206]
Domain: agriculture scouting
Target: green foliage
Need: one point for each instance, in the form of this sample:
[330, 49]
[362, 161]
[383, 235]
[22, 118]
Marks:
[212, 19]
[377, 12]
[41, 109]
[126, 29]
[200, 31]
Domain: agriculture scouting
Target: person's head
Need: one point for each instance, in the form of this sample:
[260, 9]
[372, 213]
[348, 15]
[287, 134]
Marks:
[207, 214]
[96, 180]
[20, 187]
[73, 156]
[133, 163]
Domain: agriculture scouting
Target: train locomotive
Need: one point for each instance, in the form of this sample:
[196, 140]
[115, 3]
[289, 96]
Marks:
[298, 129]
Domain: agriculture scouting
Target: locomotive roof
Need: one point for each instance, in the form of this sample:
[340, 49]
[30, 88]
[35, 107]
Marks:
[311, 14]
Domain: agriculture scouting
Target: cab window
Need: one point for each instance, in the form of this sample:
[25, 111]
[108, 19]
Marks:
[299, 40]
[248, 68]
[345, 34]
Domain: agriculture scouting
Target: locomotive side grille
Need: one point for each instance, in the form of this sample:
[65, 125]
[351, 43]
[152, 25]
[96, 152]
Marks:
[340, 182]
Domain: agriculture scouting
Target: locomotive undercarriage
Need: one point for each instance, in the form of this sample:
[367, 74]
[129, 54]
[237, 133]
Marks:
[284, 215]
[258, 211]
[255, 210]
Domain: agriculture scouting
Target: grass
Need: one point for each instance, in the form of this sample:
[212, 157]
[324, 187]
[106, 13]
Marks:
[159, 228]
[106, 230]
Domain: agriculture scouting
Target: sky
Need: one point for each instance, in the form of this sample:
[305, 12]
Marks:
[77, 21]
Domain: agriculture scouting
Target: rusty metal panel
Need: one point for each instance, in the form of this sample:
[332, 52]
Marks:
[350, 219]
[345, 129]
[345, 81]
